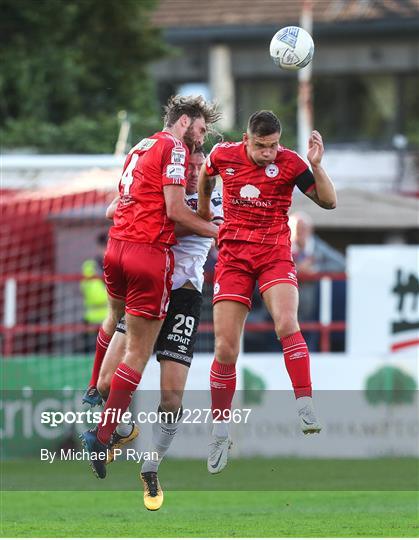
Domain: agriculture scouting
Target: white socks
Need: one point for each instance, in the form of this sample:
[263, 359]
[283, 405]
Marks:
[163, 435]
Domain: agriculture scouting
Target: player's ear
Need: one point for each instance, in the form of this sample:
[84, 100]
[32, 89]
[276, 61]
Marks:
[185, 121]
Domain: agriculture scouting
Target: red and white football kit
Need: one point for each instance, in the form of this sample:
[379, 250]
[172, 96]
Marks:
[138, 261]
[255, 238]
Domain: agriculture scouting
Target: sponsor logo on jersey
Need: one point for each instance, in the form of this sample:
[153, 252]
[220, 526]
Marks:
[178, 156]
[249, 192]
[230, 171]
[271, 170]
[175, 171]
[252, 203]
[216, 288]
[292, 276]
[145, 144]
[182, 348]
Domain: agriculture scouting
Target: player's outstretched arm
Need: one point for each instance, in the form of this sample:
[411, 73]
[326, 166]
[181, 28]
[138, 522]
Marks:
[206, 185]
[179, 212]
[324, 193]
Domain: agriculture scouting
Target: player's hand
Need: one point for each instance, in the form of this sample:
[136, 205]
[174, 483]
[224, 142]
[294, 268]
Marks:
[315, 149]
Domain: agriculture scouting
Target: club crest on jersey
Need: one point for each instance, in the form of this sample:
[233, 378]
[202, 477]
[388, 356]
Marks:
[271, 170]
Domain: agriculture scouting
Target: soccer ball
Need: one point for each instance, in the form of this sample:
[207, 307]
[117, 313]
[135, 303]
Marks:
[291, 48]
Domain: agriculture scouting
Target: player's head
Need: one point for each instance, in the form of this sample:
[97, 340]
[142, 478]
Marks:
[262, 137]
[190, 117]
[196, 160]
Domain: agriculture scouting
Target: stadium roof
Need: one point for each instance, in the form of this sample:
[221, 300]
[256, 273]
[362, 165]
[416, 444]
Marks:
[200, 13]
[360, 209]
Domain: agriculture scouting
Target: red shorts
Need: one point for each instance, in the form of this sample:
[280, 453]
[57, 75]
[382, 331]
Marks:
[241, 264]
[140, 274]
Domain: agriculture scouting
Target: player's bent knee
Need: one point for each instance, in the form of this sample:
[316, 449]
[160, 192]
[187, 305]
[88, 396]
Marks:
[171, 402]
[111, 321]
[286, 326]
[226, 352]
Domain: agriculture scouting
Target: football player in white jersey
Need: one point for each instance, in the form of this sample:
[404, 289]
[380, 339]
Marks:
[174, 354]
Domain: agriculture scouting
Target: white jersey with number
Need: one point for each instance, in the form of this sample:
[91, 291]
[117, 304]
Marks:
[191, 251]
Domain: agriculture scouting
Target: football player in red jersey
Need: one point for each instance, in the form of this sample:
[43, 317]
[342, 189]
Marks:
[258, 176]
[174, 355]
[138, 262]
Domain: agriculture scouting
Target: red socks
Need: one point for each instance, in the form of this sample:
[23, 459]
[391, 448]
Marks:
[102, 343]
[124, 383]
[297, 362]
[223, 386]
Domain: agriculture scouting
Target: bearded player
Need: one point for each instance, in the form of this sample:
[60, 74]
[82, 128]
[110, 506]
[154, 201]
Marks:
[174, 356]
[258, 177]
[138, 263]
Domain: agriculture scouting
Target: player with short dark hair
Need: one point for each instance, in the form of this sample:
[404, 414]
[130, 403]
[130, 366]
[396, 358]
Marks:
[263, 123]
[258, 177]
[174, 355]
[138, 261]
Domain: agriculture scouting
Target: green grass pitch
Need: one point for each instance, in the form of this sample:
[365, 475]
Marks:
[245, 513]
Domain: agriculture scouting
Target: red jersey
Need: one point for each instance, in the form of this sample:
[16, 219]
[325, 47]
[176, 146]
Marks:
[256, 199]
[140, 216]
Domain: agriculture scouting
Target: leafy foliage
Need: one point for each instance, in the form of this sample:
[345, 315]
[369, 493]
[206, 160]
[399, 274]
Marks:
[69, 66]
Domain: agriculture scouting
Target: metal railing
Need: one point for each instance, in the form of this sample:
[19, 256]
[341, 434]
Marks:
[12, 329]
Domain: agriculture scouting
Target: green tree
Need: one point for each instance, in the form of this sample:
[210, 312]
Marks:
[69, 66]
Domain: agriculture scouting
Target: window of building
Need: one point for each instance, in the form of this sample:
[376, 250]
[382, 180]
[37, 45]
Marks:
[280, 96]
[367, 108]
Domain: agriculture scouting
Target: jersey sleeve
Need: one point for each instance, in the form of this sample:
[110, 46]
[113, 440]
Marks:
[303, 177]
[217, 205]
[174, 164]
[211, 161]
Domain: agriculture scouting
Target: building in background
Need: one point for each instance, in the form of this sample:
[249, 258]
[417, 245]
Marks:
[365, 76]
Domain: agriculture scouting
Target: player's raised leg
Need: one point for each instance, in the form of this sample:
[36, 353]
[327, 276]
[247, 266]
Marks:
[282, 303]
[125, 432]
[229, 319]
[116, 310]
[141, 335]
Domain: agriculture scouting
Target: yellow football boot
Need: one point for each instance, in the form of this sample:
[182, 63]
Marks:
[153, 493]
[117, 441]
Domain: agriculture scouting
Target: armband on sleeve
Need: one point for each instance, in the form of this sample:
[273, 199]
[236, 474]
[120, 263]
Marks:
[305, 181]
